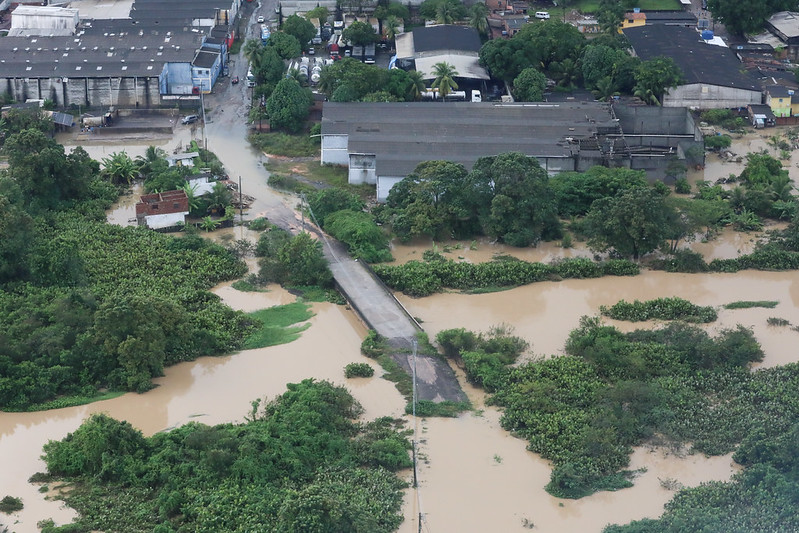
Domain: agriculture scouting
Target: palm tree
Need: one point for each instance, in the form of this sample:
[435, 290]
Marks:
[417, 84]
[566, 72]
[191, 194]
[605, 89]
[120, 168]
[151, 157]
[251, 49]
[391, 27]
[445, 78]
[478, 18]
[647, 95]
[445, 14]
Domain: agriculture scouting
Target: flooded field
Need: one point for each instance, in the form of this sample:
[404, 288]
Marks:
[474, 476]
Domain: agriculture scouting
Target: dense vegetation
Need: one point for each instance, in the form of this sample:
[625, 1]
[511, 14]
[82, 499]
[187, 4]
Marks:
[507, 197]
[584, 411]
[341, 214]
[422, 278]
[292, 261]
[301, 463]
[86, 305]
[660, 309]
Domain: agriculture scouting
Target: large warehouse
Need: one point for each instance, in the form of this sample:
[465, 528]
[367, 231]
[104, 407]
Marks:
[381, 143]
[713, 77]
[155, 54]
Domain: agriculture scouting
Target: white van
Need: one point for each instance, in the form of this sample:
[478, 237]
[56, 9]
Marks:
[541, 15]
[476, 96]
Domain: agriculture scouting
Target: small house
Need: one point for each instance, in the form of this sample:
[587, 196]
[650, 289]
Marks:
[182, 160]
[778, 98]
[162, 210]
[760, 115]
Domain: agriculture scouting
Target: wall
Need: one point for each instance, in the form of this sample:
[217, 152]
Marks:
[384, 184]
[165, 221]
[705, 96]
[176, 78]
[86, 92]
[362, 169]
[334, 150]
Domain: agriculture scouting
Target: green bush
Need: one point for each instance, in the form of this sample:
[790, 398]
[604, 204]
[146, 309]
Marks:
[717, 142]
[259, 224]
[373, 345]
[327, 201]
[364, 239]
[359, 370]
[661, 309]
[682, 261]
[681, 186]
[10, 504]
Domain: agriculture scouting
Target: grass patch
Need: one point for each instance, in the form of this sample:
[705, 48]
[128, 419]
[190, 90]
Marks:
[332, 175]
[314, 293]
[246, 286]
[396, 374]
[592, 6]
[68, 401]
[746, 304]
[284, 182]
[278, 325]
[284, 144]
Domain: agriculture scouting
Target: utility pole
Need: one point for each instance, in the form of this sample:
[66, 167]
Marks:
[241, 204]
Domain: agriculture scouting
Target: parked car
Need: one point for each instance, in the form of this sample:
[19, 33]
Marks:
[311, 51]
[261, 19]
[235, 80]
[190, 119]
[542, 15]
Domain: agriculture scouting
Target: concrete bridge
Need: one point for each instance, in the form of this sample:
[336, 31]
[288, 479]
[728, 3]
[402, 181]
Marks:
[377, 307]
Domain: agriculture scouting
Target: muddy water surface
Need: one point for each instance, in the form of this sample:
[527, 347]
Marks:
[544, 313]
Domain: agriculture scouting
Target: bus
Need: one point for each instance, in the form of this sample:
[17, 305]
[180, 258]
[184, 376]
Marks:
[369, 54]
[250, 78]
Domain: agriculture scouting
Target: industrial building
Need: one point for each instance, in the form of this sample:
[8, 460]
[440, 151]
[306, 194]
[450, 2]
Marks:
[713, 77]
[381, 143]
[458, 46]
[159, 53]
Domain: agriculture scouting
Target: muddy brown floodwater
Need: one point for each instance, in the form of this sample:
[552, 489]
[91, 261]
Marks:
[474, 476]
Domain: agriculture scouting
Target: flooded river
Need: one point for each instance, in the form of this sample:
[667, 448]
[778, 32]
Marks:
[474, 476]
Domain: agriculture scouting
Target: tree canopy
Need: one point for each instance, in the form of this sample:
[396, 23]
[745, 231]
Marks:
[359, 33]
[288, 106]
[746, 16]
[654, 77]
[545, 45]
[287, 46]
[529, 86]
[632, 224]
[301, 28]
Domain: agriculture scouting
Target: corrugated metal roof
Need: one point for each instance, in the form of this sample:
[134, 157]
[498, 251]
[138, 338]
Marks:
[403, 134]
